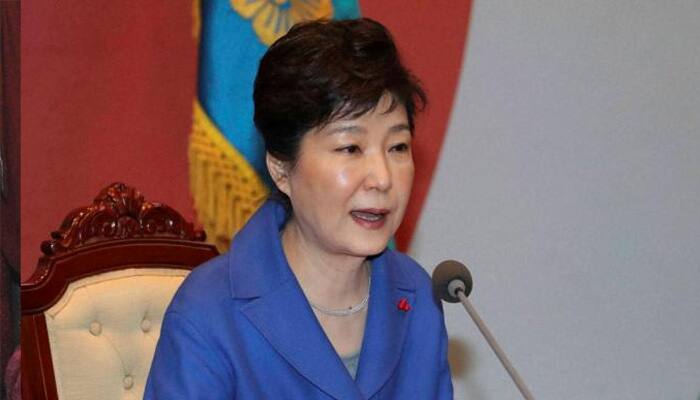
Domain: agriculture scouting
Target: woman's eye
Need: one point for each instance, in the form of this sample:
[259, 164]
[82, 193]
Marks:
[351, 149]
[401, 147]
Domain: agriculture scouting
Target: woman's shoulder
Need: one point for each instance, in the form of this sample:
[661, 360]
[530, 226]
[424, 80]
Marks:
[410, 268]
[205, 286]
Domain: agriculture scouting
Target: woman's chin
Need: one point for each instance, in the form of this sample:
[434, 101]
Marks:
[369, 248]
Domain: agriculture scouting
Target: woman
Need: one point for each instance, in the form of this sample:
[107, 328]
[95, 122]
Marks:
[309, 303]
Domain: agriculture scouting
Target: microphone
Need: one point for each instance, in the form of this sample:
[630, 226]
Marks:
[450, 276]
[452, 282]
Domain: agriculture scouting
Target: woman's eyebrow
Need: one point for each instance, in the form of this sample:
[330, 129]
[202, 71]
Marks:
[399, 128]
[360, 129]
[347, 129]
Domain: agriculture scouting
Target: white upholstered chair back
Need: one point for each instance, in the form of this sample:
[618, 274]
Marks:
[104, 329]
[92, 311]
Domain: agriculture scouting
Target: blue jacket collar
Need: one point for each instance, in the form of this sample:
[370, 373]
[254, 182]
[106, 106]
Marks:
[256, 259]
[281, 313]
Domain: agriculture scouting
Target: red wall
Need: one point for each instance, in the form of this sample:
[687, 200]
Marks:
[107, 89]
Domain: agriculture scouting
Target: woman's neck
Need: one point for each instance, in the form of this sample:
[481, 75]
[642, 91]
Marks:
[331, 280]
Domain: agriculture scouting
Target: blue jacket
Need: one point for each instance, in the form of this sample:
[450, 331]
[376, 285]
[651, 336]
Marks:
[240, 328]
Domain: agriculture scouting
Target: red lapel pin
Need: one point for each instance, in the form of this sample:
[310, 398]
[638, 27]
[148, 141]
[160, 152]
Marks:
[403, 305]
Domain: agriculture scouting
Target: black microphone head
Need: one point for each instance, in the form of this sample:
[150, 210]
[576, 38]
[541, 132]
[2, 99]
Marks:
[446, 272]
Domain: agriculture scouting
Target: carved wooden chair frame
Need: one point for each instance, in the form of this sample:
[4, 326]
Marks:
[119, 230]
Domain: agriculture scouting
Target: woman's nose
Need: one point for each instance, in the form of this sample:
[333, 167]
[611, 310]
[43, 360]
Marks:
[378, 173]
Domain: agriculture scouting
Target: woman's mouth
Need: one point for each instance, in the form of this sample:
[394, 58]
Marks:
[370, 218]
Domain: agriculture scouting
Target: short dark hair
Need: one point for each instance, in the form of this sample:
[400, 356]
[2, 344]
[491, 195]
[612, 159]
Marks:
[324, 70]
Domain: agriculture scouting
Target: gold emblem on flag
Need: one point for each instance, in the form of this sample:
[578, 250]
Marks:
[272, 18]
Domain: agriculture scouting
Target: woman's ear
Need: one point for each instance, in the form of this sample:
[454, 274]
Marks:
[279, 172]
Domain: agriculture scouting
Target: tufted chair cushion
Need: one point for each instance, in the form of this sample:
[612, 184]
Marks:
[104, 329]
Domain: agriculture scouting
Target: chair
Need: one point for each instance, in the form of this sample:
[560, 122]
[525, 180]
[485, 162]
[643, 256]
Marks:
[92, 311]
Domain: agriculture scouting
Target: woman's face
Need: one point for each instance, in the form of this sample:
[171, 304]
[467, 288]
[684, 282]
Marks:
[352, 180]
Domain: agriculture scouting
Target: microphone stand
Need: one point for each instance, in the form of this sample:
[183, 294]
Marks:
[492, 342]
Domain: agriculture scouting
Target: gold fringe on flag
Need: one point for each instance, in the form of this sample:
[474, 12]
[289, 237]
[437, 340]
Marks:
[225, 187]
